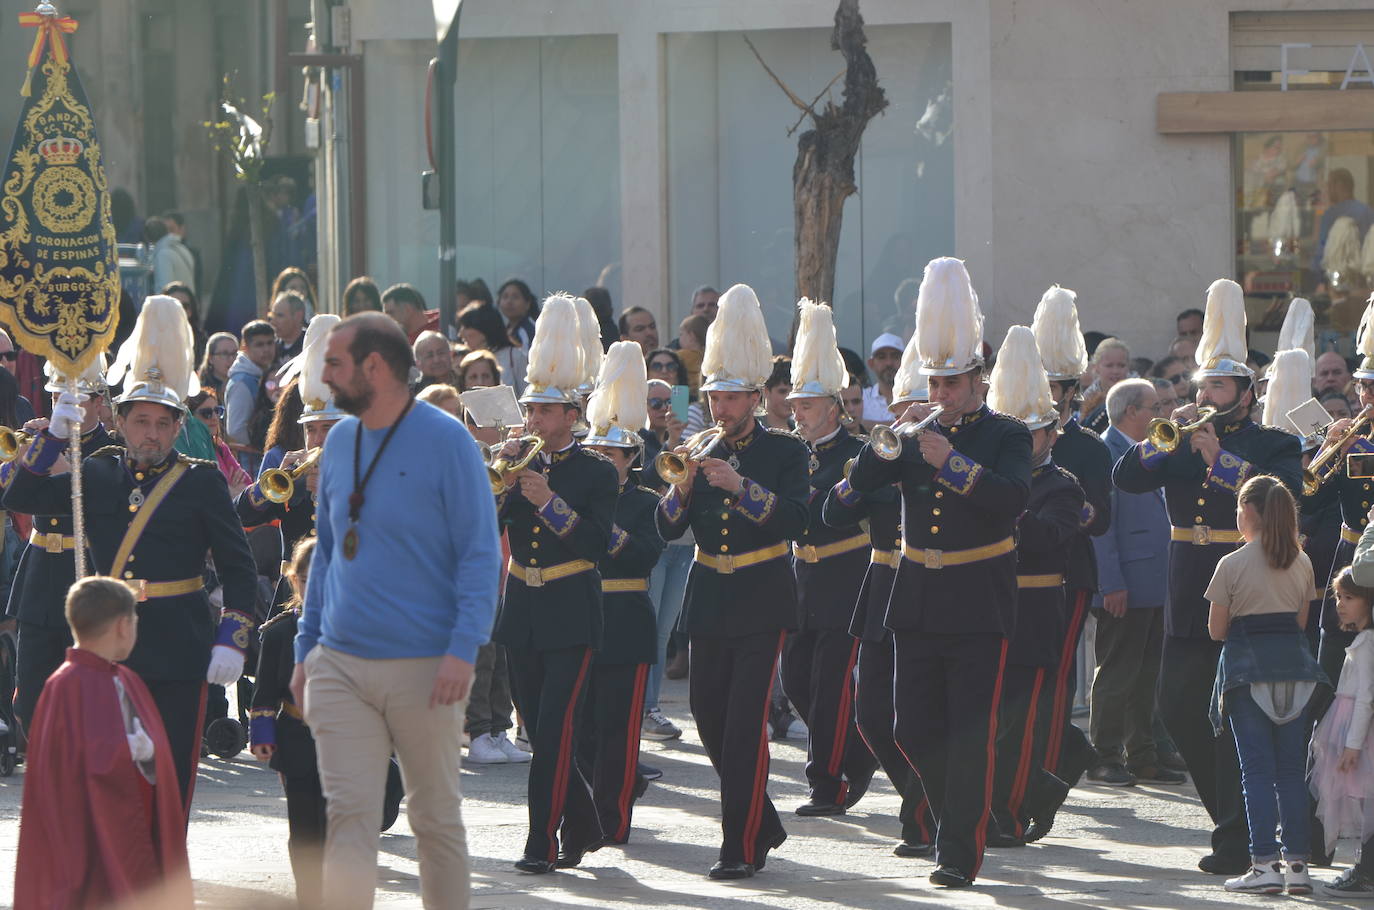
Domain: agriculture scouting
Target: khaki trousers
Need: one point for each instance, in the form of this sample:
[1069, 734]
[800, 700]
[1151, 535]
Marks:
[361, 710]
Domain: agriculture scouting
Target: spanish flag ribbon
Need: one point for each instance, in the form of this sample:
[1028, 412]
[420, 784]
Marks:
[48, 26]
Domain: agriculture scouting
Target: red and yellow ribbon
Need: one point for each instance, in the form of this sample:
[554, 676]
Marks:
[49, 27]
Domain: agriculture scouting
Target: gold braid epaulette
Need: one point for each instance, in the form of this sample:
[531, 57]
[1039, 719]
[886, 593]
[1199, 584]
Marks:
[117, 451]
[187, 459]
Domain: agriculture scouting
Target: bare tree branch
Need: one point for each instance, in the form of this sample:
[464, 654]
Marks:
[791, 96]
[811, 107]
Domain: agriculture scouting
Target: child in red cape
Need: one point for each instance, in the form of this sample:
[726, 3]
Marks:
[102, 818]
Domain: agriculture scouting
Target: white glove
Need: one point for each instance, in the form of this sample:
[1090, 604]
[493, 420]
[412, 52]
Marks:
[140, 743]
[226, 666]
[66, 416]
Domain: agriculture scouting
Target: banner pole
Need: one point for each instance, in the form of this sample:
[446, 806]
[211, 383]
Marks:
[78, 516]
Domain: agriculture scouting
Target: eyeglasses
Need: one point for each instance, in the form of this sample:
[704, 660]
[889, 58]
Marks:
[227, 353]
[11, 356]
[208, 412]
[1178, 377]
[662, 366]
[656, 403]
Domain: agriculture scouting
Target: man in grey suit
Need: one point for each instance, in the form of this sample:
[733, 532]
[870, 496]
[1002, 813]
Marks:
[1133, 572]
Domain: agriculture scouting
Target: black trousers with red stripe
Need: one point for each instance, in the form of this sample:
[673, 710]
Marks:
[947, 689]
[608, 742]
[818, 677]
[731, 683]
[874, 715]
[182, 706]
[551, 687]
[1021, 740]
[1068, 754]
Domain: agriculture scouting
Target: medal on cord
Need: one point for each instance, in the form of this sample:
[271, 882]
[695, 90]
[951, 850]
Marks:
[356, 499]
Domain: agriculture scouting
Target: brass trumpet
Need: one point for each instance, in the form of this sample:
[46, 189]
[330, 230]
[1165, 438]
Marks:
[278, 485]
[500, 467]
[12, 442]
[1165, 434]
[886, 442]
[1325, 462]
[674, 468]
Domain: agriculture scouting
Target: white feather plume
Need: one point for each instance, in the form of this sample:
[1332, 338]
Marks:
[161, 338]
[1298, 330]
[589, 337]
[737, 345]
[1364, 338]
[1284, 221]
[909, 383]
[816, 355]
[309, 363]
[1223, 325]
[948, 321]
[622, 389]
[555, 354]
[1290, 384]
[1018, 385]
[1058, 335]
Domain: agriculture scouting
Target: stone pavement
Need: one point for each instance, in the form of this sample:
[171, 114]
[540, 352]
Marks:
[1133, 848]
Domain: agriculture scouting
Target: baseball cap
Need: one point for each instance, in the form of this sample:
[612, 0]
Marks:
[886, 340]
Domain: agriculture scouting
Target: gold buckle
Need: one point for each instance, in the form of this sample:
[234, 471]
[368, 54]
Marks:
[534, 578]
[935, 559]
[726, 565]
[807, 552]
[140, 588]
[1202, 535]
[52, 543]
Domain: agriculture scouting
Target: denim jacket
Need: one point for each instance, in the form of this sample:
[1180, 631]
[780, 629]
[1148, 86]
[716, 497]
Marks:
[1269, 647]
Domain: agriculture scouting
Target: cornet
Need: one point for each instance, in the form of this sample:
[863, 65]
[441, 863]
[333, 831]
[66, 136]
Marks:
[278, 485]
[1325, 462]
[1165, 435]
[674, 468]
[886, 442]
[11, 442]
[500, 467]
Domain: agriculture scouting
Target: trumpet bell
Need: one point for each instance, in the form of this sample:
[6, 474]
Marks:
[277, 485]
[672, 467]
[500, 467]
[11, 441]
[885, 443]
[1165, 434]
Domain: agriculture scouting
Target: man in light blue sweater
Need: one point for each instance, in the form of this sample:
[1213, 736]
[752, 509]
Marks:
[401, 595]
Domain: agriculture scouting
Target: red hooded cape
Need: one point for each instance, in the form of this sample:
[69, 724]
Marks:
[92, 830]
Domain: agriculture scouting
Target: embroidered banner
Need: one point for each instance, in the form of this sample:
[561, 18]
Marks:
[59, 270]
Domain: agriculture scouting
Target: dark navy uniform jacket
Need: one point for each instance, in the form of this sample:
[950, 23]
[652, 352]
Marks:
[39, 595]
[828, 588]
[274, 716]
[760, 596]
[1083, 454]
[1354, 495]
[883, 509]
[1201, 500]
[971, 503]
[297, 516]
[575, 525]
[1045, 532]
[197, 517]
[631, 626]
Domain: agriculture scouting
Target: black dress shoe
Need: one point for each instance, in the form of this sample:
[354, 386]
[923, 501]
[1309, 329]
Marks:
[533, 865]
[857, 789]
[649, 772]
[723, 871]
[1220, 864]
[570, 857]
[763, 854]
[1042, 817]
[817, 807]
[912, 849]
[949, 877]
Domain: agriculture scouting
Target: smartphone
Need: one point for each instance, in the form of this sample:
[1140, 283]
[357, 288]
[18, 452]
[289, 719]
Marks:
[1359, 464]
[679, 402]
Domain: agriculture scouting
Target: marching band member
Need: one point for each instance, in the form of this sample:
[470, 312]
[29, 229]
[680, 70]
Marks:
[818, 657]
[873, 679]
[1045, 531]
[744, 499]
[964, 481]
[608, 744]
[297, 514]
[1082, 453]
[151, 515]
[47, 567]
[1200, 478]
[558, 515]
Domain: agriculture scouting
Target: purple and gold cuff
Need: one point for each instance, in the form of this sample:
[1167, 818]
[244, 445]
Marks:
[756, 504]
[262, 727]
[672, 507]
[1361, 446]
[559, 517]
[43, 452]
[1229, 471]
[1086, 515]
[7, 474]
[959, 474]
[1151, 457]
[846, 494]
[234, 630]
[619, 537]
[255, 498]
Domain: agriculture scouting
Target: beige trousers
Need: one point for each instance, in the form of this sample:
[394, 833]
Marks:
[361, 710]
